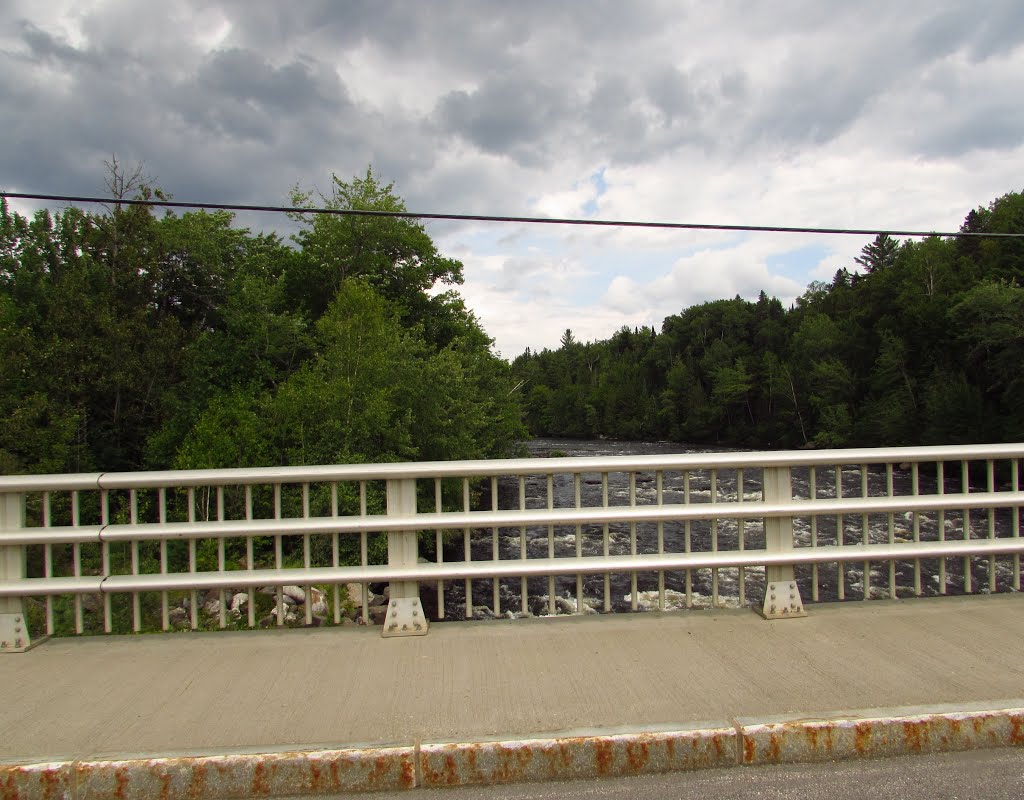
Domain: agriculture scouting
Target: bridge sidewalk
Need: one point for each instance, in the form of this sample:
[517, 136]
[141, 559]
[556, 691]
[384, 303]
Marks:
[208, 694]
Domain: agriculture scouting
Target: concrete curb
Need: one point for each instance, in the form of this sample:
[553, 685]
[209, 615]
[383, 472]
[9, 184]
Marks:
[559, 756]
[279, 774]
[881, 732]
[578, 755]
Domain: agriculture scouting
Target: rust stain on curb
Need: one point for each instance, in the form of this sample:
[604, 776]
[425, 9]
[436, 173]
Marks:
[214, 777]
[585, 754]
[561, 757]
[839, 736]
[45, 781]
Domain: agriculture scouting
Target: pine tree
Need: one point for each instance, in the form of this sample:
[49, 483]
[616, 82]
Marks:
[880, 254]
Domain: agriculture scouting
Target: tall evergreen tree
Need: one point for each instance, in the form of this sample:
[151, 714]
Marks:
[880, 254]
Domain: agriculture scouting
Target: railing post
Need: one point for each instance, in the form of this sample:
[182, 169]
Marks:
[405, 612]
[14, 636]
[781, 595]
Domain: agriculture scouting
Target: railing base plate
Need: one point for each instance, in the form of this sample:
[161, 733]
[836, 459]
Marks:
[405, 618]
[14, 636]
[782, 601]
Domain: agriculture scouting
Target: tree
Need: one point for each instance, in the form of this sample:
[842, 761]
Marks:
[731, 387]
[131, 340]
[890, 413]
[989, 323]
[373, 391]
[880, 254]
[253, 343]
[995, 258]
[393, 255]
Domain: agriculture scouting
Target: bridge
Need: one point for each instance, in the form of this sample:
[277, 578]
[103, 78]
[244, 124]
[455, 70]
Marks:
[568, 691]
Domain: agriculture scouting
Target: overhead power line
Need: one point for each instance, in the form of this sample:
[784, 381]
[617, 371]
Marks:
[604, 223]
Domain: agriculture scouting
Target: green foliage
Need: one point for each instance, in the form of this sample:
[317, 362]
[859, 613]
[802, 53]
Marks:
[229, 433]
[924, 345]
[131, 341]
[393, 255]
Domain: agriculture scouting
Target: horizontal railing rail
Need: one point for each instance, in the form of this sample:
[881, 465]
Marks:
[502, 519]
[544, 535]
[540, 567]
[507, 466]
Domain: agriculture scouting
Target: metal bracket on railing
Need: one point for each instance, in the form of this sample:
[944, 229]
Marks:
[13, 634]
[405, 618]
[782, 601]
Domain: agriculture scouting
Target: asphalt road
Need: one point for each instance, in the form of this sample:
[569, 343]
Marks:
[973, 775]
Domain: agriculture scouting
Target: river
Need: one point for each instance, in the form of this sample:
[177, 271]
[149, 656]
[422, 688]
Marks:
[701, 589]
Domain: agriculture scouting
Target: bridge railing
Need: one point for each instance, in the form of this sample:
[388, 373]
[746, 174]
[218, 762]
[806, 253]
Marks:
[119, 551]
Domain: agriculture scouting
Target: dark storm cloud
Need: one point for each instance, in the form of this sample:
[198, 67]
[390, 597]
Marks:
[508, 115]
[1000, 31]
[644, 117]
[991, 119]
[224, 125]
[941, 34]
[734, 85]
[535, 121]
[1003, 128]
[672, 92]
[532, 85]
[613, 117]
[466, 33]
[904, 75]
[248, 77]
[66, 118]
[238, 94]
[450, 33]
[44, 47]
[982, 31]
[812, 107]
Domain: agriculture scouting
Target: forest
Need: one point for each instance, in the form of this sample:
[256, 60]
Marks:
[918, 342]
[135, 340]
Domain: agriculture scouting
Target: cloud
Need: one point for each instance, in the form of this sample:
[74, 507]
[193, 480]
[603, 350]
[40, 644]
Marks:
[47, 48]
[809, 112]
[671, 92]
[507, 115]
[700, 277]
[245, 76]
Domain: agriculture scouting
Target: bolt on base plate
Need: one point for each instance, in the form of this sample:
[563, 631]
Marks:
[405, 618]
[782, 601]
[14, 636]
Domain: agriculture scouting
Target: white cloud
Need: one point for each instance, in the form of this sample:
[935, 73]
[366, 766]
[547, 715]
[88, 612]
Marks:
[569, 203]
[539, 322]
[706, 275]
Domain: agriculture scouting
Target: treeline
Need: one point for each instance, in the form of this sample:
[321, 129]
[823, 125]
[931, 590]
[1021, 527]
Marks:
[920, 342]
[131, 340]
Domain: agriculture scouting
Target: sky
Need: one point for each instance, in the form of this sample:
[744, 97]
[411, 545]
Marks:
[818, 113]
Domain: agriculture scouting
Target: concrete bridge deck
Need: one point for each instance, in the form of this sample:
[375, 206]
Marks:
[193, 714]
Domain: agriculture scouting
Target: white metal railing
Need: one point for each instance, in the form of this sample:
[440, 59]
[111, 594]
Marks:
[115, 551]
